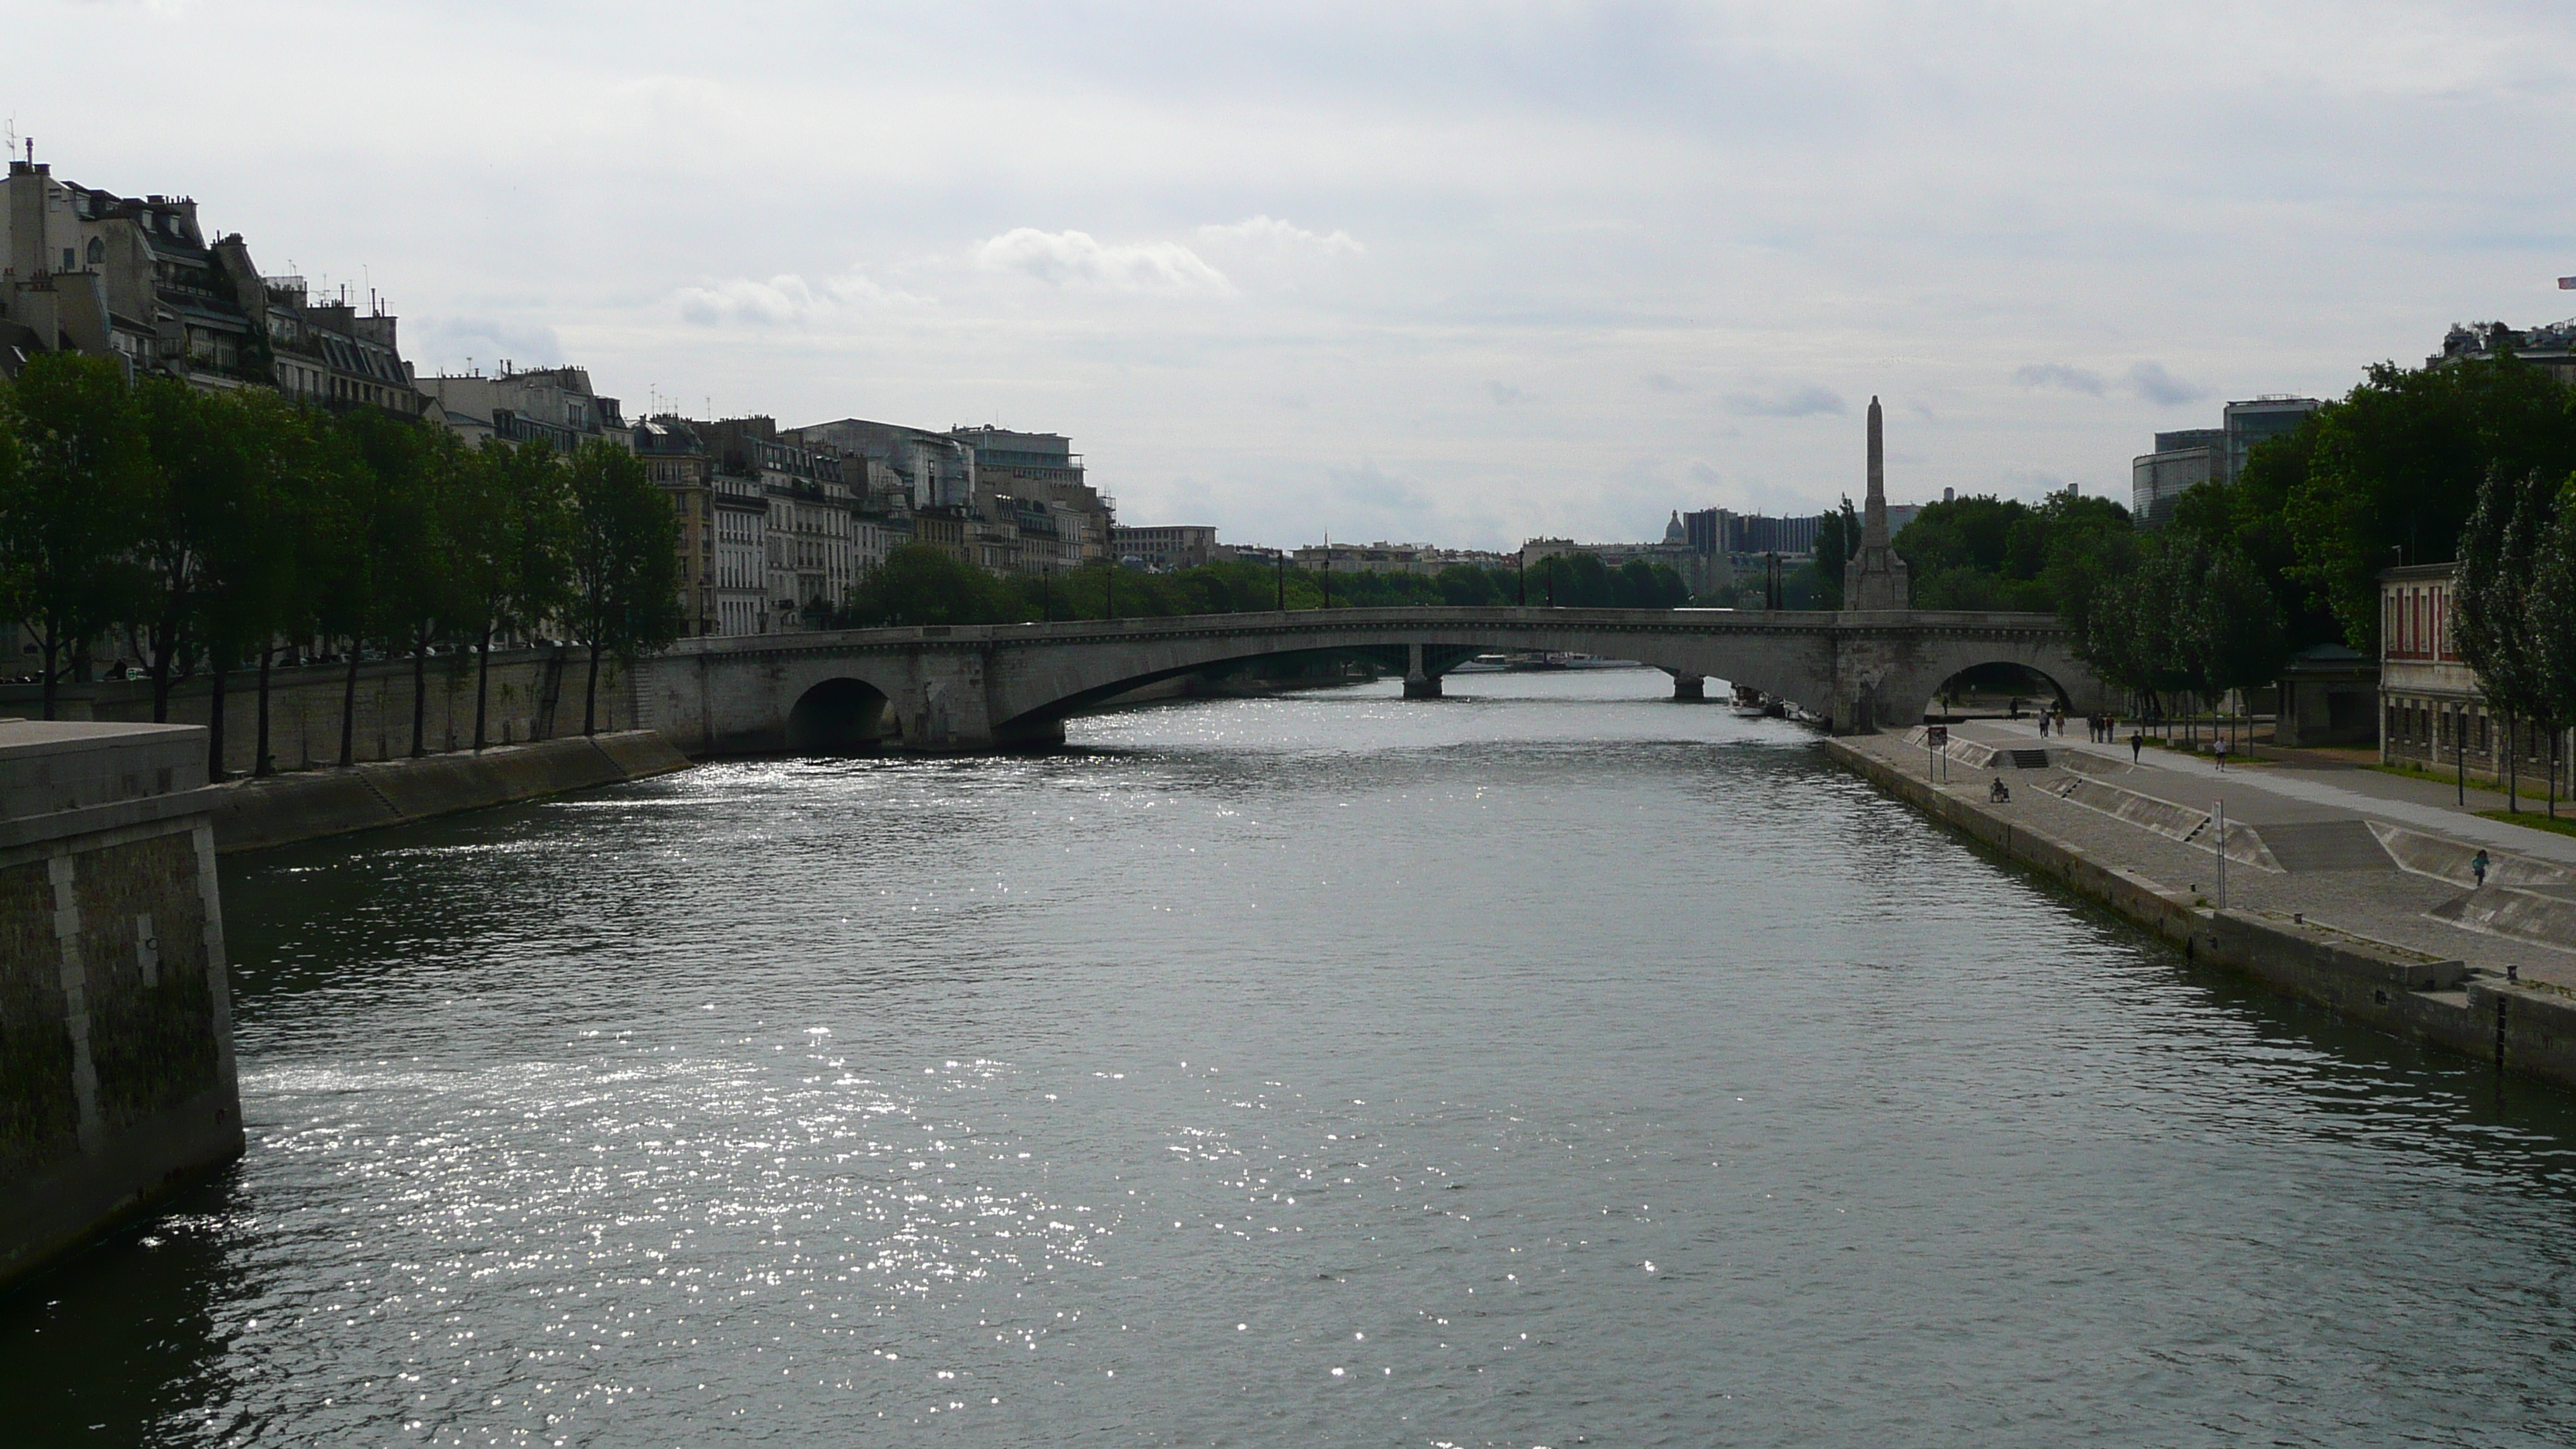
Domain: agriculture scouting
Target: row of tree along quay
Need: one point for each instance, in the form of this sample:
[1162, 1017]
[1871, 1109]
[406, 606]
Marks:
[921, 585]
[214, 532]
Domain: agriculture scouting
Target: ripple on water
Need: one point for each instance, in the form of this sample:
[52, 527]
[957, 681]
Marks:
[1550, 1065]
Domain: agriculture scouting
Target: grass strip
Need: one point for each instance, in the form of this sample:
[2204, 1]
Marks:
[2533, 819]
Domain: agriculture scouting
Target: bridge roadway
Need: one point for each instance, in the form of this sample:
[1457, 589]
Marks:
[985, 687]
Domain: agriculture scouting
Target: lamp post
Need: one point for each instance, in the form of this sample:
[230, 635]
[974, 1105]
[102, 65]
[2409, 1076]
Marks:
[2222, 855]
[2460, 750]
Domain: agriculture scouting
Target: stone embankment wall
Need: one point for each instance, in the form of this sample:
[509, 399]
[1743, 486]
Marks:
[2526, 1029]
[534, 694]
[116, 1059]
[256, 814]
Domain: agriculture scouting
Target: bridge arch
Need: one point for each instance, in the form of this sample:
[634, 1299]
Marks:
[2048, 688]
[1781, 667]
[838, 716]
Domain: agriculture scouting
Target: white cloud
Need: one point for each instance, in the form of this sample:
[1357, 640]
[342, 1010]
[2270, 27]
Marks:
[1315, 234]
[2150, 381]
[2058, 374]
[783, 301]
[1283, 236]
[1076, 260]
[1785, 401]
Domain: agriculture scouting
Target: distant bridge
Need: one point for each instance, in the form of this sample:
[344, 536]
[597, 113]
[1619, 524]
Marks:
[1000, 686]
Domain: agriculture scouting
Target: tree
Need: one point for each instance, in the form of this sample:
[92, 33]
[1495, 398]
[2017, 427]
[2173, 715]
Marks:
[625, 562]
[246, 553]
[2136, 633]
[2494, 615]
[2236, 640]
[509, 521]
[410, 572]
[2551, 609]
[306, 461]
[67, 515]
[2396, 467]
[1837, 543]
[1466, 587]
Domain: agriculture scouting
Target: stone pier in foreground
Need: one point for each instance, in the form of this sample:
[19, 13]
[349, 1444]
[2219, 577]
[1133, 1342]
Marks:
[117, 1084]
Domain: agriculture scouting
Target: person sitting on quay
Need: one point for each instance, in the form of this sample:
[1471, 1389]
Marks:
[1999, 792]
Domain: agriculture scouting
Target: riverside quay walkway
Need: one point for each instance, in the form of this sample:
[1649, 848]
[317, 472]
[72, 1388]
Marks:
[982, 687]
[2344, 885]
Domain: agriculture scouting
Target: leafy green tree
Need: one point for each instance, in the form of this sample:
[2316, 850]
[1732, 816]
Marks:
[2551, 609]
[1465, 587]
[66, 521]
[2236, 639]
[411, 585]
[246, 555]
[2251, 515]
[2497, 610]
[625, 562]
[509, 522]
[303, 460]
[2137, 631]
[2396, 466]
[1837, 544]
[336, 584]
[918, 584]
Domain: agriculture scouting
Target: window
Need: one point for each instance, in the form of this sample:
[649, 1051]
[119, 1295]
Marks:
[97, 250]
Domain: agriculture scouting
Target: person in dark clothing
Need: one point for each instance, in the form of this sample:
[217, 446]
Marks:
[2137, 742]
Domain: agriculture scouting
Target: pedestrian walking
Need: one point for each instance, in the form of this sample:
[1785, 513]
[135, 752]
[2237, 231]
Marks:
[2218, 747]
[2137, 742]
[2478, 868]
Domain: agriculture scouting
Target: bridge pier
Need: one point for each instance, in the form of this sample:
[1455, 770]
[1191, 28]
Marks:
[1419, 683]
[1690, 686]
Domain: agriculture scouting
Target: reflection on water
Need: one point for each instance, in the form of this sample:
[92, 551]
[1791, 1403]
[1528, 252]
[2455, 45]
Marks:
[1550, 1066]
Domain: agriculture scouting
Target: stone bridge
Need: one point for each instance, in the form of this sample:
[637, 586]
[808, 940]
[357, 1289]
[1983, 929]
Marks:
[998, 686]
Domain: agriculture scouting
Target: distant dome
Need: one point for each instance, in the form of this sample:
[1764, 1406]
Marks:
[1673, 531]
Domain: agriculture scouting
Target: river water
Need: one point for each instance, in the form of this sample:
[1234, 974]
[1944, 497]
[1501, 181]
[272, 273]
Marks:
[1552, 1065]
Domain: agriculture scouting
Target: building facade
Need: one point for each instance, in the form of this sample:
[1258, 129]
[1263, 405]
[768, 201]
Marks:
[1165, 549]
[1002, 501]
[809, 534]
[2433, 712]
[2551, 348]
[676, 461]
[134, 278]
[2185, 459]
[555, 405]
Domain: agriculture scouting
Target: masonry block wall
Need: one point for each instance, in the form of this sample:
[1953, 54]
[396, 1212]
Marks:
[117, 1082]
[534, 694]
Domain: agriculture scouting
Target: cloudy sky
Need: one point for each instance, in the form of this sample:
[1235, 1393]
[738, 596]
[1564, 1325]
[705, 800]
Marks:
[1454, 273]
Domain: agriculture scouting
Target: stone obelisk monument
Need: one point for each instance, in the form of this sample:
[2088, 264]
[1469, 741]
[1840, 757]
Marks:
[1876, 579]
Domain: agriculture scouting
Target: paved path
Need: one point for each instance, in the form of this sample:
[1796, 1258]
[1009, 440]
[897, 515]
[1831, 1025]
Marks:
[2257, 793]
[2380, 904]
